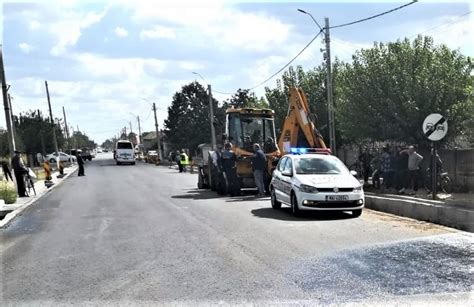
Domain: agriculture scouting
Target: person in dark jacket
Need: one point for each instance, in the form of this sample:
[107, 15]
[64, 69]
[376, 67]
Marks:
[365, 158]
[259, 165]
[228, 165]
[6, 171]
[80, 162]
[19, 170]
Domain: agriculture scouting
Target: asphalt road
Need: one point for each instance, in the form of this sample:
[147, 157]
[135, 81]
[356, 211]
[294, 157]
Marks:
[144, 234]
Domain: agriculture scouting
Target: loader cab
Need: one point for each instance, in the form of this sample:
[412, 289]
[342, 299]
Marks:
[246, 127]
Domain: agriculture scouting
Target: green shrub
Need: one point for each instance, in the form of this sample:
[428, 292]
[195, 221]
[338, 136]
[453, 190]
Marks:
[8, 192]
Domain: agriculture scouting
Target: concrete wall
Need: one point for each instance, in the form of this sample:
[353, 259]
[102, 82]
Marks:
[433, 211]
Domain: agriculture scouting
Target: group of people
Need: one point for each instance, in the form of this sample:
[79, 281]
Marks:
[259, 166]
[399, 168]
[20, 170]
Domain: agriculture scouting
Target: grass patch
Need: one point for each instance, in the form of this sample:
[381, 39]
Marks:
[8, 192]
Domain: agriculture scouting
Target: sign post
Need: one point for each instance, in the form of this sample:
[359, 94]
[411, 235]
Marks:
[435, 128]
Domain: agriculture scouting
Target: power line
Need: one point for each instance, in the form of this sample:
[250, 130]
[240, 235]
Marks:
[374, 16]
[287, 64]
[444, 24]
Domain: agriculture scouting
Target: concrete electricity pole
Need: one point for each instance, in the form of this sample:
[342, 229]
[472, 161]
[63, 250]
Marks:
[157, 134]
[11, 117]
[11, 140]
[211, 113]
[139, 131]
[332, 129]
[66, 127]
[130, 122]
[52, 123]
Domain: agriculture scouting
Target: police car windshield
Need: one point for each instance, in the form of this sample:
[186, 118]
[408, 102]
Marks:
[315, 165]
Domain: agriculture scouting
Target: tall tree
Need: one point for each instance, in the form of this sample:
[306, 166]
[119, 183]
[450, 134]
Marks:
[188, 124]
[388, 90]
[34, 132]
[243, 98]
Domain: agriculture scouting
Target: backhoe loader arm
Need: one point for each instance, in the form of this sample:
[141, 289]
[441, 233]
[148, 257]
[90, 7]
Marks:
[298, 128]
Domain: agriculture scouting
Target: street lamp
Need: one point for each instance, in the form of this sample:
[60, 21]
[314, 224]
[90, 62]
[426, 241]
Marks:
[331, 122]
[211, 111]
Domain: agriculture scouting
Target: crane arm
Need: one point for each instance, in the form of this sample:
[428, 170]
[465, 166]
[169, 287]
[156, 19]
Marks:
[298, 128]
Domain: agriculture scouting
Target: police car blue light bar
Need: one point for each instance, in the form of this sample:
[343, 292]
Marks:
[301, 151]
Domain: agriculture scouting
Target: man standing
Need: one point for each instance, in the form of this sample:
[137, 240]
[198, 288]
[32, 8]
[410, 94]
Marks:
[80, 162]
[20, 170]
[365, 158]
[414, 160]
[184, 160]
[228, 165]
[259, 162]
[386, 167]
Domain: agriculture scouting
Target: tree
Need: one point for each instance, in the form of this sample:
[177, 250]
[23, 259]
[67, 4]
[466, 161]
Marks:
[243, 98]
[34, 133]
[81, 140]
[109, 144]
[187, 124]
[388, 90]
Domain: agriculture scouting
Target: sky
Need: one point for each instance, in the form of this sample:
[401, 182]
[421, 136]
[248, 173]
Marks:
[107, 61]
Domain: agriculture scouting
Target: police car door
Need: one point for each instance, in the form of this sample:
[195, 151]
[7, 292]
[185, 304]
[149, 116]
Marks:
[286, 180]
[277, 178]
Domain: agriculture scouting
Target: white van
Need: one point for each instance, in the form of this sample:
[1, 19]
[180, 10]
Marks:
[124, 152]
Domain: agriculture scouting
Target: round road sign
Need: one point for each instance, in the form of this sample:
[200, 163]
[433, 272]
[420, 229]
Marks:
[435, 127]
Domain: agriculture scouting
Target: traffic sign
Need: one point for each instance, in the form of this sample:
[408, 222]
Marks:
[435, 127]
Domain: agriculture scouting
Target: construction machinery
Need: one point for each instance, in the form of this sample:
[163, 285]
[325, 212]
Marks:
[247, 126]
[299, 128]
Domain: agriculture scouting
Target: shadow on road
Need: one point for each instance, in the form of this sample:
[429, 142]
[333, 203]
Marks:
[284, 214]
[198, 194]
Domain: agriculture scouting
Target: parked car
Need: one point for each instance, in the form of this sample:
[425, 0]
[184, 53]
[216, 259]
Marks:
[151, 156]
[63, 157]
[86, 154]
[315, 182]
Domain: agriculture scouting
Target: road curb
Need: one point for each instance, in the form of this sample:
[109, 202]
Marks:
[430, 211]
[11, 216]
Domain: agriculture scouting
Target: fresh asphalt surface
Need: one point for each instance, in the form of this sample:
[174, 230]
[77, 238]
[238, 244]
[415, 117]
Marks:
[144, 234]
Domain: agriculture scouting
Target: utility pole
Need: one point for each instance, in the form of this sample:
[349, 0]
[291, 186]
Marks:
[52, 124]
[211, 113]
[66, 127]
[11, 117]
[130, 122]
[11, 140]
[157, 134]
[139, 130]
[331, 124]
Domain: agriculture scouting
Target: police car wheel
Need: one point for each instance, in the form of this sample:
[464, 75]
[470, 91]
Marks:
[294, 206]
[275, 203]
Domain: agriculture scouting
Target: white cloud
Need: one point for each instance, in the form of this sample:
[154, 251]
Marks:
[68, 29]
[188, 65]
[25, 48]
[120, 68]
[157, 32]
[34, 24]
[216, 23]
[121, 32]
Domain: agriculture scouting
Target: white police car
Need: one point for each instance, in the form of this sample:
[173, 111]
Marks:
[315, 181]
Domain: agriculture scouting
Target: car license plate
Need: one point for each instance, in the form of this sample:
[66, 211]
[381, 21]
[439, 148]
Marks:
[337, 197]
